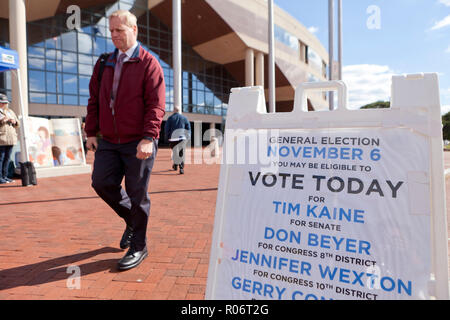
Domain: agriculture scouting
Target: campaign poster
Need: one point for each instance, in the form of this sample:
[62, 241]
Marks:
[39, 141]
[335, 214]
[66, 136]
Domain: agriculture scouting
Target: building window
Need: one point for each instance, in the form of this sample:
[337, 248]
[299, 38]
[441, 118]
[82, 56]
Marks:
[314, 60]
[306, 54]
[286, 38]
[61, 61]
[303, 52]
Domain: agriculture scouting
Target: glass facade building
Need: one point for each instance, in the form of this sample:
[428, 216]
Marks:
[65, 40]
[61, 60]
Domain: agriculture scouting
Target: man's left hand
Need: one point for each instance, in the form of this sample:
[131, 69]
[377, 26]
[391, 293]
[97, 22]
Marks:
[144, 149]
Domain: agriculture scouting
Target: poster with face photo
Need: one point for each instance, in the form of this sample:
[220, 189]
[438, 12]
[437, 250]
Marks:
[39, 142]
[67, 147]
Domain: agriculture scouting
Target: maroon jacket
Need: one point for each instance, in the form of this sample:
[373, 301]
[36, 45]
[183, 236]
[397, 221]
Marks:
[140, 103]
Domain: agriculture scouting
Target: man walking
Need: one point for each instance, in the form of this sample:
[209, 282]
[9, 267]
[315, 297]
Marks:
[177, 131]
[126, 106]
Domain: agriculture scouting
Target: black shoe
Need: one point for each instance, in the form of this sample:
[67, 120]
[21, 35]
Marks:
[181, 170]
[126, 238]
[132, 258]
[175, 167]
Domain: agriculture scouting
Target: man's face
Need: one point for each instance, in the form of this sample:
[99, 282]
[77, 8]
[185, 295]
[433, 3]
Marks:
[123, 36]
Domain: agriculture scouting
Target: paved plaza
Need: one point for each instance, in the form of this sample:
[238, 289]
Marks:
[51, 230]
[62, 222]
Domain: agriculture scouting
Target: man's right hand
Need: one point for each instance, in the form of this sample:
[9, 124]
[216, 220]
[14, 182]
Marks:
[91, 143]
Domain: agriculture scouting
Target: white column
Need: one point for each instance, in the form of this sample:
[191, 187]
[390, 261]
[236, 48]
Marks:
[249, 67]
[212, 127]
[272, 94]
[18, 42]
[214, 145]
[19, 86]
[198, 134]
[259, 69]
[176, 38]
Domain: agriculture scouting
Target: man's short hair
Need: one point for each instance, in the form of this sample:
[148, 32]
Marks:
[129, 18]
[176, 109]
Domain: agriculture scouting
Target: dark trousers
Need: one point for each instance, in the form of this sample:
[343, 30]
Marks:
[178, 148]
[112, 163]
[5, 154]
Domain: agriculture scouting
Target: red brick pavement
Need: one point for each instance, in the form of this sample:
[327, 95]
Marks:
[61, 222]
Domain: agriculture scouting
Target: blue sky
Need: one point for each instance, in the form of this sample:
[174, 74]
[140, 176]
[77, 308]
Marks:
[411, 36]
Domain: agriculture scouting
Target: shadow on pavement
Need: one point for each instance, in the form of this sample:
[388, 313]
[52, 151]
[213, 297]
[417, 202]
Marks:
[51, 200]
[56, 269]
[7, 186]
[96, 197]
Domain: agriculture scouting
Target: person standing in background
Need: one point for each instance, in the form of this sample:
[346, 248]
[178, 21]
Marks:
[177, 131]
[8, 136]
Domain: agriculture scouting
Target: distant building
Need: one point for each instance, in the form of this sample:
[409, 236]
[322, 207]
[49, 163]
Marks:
[224, 46]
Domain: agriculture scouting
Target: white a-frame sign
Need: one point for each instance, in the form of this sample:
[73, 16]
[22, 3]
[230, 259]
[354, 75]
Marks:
[343, 204]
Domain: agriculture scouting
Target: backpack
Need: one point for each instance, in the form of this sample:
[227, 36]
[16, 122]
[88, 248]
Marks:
[103, 57]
